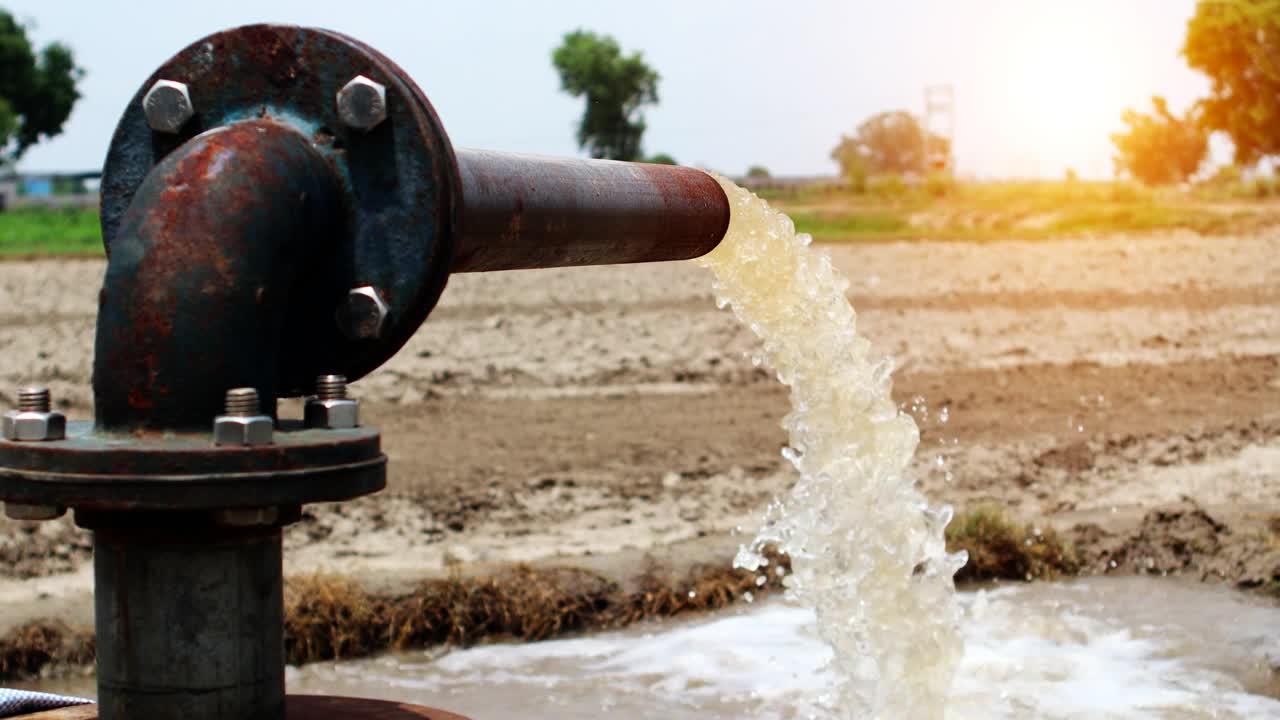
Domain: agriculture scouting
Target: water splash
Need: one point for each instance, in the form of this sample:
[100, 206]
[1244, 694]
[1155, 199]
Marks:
[867, 551]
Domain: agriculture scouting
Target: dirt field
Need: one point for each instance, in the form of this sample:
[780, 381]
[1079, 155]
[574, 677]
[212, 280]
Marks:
[1126, 390]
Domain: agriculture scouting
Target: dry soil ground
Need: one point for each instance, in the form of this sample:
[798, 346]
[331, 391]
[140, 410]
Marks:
[1126, 390]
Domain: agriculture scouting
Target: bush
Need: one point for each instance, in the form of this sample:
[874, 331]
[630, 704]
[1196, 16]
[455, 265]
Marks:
[999, 549]
[939, 184]
[887, 186]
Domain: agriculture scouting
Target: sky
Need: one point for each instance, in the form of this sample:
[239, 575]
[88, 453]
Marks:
[1039, 84]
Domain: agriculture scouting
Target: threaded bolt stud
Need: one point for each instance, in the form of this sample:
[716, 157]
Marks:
[331, 387]
[34, 399]
[242, 402]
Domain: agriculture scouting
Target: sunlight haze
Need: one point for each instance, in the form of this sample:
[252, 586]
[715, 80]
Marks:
[1039, 85]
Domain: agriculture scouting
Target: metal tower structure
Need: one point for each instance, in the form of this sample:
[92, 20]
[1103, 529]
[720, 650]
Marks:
[939, 126]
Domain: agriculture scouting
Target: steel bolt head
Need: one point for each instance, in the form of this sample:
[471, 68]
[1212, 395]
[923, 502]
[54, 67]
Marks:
[242, 430]
[337, 414]
[30, 425]
[167, 106]
[21, 511]
[362, 103]
[363, 314]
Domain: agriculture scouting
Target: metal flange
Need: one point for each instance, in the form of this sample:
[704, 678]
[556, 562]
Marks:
[399, 173]
[168, 471]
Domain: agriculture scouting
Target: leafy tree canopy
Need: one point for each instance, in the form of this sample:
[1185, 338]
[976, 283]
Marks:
[758, 171]
[1237, 44]
[37, 90]
[887, 143]
[616, 87]
[1161, 148]
[661, 159]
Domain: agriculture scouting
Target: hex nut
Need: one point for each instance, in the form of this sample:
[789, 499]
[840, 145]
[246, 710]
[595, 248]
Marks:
[362, 103]
[30, 425]
[336, 414]
[242, 430]
[363, 314]
[167, 106]
[22, 511]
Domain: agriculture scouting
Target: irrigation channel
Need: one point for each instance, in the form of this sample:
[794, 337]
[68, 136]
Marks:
[1093, 648]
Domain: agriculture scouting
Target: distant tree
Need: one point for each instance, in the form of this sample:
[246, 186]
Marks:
[758, 171]
[661, 159]
[852, 159]
[1160, 149]
[1237, 44]
[37, 90]
[616, 87]
[890, 143]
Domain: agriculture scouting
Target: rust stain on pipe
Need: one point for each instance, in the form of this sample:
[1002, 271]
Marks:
[528, 211]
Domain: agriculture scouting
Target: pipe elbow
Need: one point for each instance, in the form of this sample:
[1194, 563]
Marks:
[210, 263]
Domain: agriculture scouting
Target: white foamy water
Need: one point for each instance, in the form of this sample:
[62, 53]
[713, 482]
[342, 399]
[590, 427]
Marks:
[1095, 648]
[867, 552]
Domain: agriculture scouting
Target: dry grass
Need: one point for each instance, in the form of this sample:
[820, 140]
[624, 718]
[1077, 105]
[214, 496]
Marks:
[331, 617]
[28, 649]
[1000, 549]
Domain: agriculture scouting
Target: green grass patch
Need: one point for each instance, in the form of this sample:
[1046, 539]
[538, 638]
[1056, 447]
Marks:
[49, 231]
[857, 224]
[1001, 549]
[980, 212]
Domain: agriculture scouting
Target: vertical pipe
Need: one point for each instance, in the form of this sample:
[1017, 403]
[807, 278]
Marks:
[191, 628]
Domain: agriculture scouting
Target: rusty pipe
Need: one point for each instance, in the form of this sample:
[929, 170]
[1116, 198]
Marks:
[529, 211]
[203, 275]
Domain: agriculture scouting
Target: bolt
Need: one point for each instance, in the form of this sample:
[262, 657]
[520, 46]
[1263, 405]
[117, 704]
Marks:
[331, 409]
[362, 103]
[363, 314]
[242, 424]
[167, 106]
[33, 419]
[22, 511]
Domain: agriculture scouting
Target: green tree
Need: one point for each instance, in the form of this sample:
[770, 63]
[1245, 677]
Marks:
[1160, 149]
[616, 87]
[661, 159]
[758, 171]
[889, 143]
[37, 90]
[1237, 44]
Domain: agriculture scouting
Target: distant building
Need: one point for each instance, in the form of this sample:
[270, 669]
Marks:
[49, 189]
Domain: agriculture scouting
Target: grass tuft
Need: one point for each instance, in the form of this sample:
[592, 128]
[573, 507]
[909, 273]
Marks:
[1000, 549]
[30, 648]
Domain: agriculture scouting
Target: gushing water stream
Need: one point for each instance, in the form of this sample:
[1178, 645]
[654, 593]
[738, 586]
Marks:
[867, 551]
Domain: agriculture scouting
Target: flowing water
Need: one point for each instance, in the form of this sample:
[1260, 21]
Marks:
[867, 552]
[1087, 649]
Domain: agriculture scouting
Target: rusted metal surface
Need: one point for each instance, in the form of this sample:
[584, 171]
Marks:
[202, 275]
[529, 211]
[395, 218]
[302, 707]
